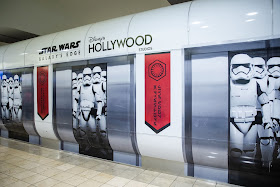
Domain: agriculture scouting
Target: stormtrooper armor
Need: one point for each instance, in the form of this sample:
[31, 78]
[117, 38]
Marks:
[11, 95]
[17, 107]
[99, 95]
[244, 94]
[87, 121]
[104, 89]
[104, 80]
[259, 67]
[265, 132]
[80, 79]
[97, 88]
[75, 99]
[99, 83]
[274, 96]
[5, 98]
[79, 84]
[241, 67]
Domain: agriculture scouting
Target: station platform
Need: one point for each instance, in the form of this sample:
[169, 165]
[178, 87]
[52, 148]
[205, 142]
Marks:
[23, 164]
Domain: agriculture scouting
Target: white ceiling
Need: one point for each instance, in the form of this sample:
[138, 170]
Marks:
[42, 17]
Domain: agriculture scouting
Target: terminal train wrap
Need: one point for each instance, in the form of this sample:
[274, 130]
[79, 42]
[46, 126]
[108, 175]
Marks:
[192, 88]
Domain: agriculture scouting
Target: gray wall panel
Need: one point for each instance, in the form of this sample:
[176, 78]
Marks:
[63, 105]
[210, 109]
[119, 105]
[211, 173]
[28, 102]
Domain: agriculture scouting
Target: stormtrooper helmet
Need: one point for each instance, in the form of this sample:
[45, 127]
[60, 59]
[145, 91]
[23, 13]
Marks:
[11, 81]
[241, 67]
[96, 71]
[74, 80]
[87, 76]
[16, 80]
[4, 79]
[273, 66]
[103, 76]
[80, 78]
[259, 67]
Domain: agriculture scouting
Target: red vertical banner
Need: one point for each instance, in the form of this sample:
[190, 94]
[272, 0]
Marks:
[157, 91]
[42, 92]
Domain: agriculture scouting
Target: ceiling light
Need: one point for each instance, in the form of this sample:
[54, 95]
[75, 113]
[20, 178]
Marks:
[213, 153]
[196, 22]
[252, 13]
[249, 20]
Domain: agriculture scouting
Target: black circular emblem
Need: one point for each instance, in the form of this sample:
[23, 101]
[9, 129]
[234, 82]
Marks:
[42, 77]
[157, 70]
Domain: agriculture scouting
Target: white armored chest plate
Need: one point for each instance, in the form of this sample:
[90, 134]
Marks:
[243, 94]
[243, 101]
[87, 93]
[273, 88]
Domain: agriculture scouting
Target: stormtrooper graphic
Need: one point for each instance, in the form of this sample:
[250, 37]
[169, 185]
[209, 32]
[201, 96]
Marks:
[104, 87]
[273, 92]
[265, 132]
[5, 98]
[75, 100]
[87, 123]
[89, 110]
[99, 92]
[79, 84]
[97, 86]
[245, 92]
[11, 95]
[80, 80]
[17, 107]
[11, 98]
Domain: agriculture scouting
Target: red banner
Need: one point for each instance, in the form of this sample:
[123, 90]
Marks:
[157, 91]
[42, 92]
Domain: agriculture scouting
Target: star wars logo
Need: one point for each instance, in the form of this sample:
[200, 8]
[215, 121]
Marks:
[100, 44]
[71, 49]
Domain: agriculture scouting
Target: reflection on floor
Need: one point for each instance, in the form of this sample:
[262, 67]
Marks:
[23, 164]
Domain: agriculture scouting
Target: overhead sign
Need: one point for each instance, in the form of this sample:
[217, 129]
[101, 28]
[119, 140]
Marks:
[70, 49]
[157, 91]
[98, 44]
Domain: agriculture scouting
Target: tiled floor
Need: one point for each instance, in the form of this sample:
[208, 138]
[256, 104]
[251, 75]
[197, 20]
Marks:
[23, 164]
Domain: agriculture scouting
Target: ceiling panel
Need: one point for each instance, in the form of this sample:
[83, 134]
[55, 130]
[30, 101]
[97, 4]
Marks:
[42, 17]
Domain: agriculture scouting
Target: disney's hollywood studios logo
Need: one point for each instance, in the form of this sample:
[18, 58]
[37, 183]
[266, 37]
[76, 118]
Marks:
[98, 44]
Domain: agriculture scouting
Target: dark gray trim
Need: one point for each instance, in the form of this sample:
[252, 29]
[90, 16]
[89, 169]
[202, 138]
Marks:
[229, 171]
[4, 133]
[31, 119]
[174, 2]
[133, 108]
[187, 132]
[34, 139]
[54, 106]
[69, 146]
[63, 118]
